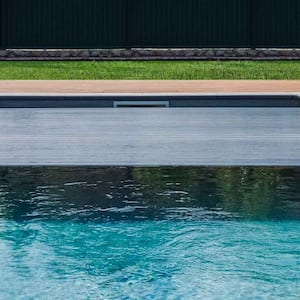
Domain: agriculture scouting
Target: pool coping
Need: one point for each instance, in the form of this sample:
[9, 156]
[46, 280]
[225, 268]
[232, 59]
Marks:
[148, 86]
[180, 93]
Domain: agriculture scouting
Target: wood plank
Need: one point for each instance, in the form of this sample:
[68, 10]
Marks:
[150, 86]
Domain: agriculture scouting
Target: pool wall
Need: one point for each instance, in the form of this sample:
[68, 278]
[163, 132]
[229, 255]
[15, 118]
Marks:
[172, 100]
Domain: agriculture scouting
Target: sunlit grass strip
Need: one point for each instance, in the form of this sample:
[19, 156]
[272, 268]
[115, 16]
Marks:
[151, 70]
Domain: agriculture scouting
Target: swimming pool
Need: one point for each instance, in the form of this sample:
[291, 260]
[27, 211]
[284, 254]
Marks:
[149, 233]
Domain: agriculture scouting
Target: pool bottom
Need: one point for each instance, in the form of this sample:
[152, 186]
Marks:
[149, 260]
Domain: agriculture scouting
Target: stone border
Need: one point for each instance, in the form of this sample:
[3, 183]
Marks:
[151, 54]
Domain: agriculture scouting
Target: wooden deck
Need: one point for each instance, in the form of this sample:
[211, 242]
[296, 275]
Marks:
[150, 86]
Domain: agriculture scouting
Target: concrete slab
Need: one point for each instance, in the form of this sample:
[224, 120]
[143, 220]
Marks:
[150, 136]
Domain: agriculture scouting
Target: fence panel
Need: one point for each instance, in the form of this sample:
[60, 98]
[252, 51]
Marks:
[191, 23]
[1, 24]
[277, 23]
[149, 23]
[64, 23]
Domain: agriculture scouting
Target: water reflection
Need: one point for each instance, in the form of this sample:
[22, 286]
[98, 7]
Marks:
[102, 194]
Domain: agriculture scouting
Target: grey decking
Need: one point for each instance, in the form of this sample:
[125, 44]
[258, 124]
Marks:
[150, 136]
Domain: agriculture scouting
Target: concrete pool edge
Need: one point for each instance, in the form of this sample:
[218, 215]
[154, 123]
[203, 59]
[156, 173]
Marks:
[107, 100]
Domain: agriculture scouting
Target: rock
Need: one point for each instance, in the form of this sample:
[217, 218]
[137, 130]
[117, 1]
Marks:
[53, 53]
[74, 53]
[95, 53]
[240, 52]
[190, 53]
[209, 53]
[200, 52]
[252, 53]
[105, 53]
[230, 53]
[261, 54]
[3, 53]
[23, 53]
[145, 53]
[127, 53]
[297, 51]
[284, 53]
[84, 54]
[293, 53]
[116, 52]
[219, 53]
[180, 52]
[65, 53]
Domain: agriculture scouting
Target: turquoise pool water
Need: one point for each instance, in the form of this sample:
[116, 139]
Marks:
[150, 233]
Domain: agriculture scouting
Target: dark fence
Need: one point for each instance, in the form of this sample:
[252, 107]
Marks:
[149, 23]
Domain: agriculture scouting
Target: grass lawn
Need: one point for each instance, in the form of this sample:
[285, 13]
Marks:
[151, 70]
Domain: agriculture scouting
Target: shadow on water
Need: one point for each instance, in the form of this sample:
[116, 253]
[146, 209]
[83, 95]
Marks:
[110, 193]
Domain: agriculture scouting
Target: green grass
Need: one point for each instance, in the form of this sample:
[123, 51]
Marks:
[151, 70]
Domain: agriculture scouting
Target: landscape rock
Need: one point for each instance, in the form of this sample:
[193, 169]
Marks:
[140, 53]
